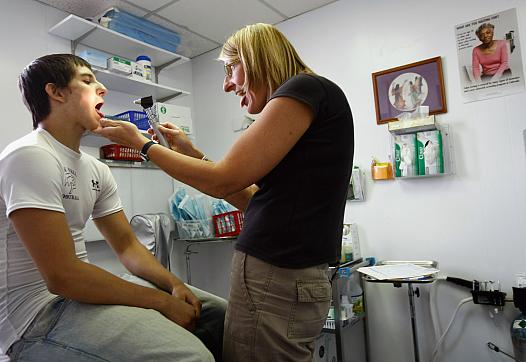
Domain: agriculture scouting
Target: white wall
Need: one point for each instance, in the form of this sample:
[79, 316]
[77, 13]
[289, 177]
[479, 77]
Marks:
[472, 223]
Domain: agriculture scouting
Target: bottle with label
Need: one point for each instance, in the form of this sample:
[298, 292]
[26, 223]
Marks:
[146, 64]
[347, 247]
[356, 293]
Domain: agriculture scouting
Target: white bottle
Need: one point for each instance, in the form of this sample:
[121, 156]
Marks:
[346, 305]
[146, 64]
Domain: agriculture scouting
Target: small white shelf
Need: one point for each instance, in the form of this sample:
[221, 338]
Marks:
[122, 83]
[128, 164]
[98, 37]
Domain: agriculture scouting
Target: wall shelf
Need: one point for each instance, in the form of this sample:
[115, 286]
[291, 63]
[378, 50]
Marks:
[82, 31]
[122, 83]
[447, 152]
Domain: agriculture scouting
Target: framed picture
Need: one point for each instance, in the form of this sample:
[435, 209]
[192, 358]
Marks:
[403, 89]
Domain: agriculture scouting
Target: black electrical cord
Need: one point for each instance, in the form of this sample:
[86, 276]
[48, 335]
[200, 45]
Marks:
[462, 282]
[496, 348]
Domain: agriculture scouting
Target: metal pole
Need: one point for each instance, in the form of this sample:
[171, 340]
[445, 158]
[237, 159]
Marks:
[411, 293]
[187, 253]
[337, 317]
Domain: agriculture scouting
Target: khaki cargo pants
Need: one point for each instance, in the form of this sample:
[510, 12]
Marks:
[274, 314]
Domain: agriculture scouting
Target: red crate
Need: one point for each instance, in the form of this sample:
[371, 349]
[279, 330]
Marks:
[228, 223]
[118, 152]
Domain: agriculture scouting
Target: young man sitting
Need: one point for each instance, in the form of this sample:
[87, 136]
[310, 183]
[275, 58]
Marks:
[54, 305]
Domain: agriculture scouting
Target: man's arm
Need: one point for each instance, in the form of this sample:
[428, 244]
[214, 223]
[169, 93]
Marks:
[47, 238]
[139, 261]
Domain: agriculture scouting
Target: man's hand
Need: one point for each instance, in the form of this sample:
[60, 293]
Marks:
[181, 292]
[180, 312]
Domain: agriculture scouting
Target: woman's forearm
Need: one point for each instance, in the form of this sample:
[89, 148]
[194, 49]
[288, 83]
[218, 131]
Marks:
[214, 179]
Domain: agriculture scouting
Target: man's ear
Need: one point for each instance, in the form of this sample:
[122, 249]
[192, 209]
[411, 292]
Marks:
[55, 92]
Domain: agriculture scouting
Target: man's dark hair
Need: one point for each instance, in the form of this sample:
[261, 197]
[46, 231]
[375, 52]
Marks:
[58, 69]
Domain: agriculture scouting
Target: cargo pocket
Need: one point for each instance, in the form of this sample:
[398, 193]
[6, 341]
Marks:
[309, 313]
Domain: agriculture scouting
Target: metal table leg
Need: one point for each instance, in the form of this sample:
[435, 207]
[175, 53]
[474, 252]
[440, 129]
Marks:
[337, 318]
[187, 253]
[411, 293]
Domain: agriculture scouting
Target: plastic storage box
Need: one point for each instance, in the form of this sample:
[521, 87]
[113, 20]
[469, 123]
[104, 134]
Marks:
[141, 29]
[194, 229]
[228, 223]
[140, 119]
[95, 58]
[120, 153]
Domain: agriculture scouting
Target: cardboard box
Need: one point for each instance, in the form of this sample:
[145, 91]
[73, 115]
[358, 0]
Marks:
[178, 115]
[119, 65]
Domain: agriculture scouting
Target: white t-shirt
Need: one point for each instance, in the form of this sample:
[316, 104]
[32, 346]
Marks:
[37, 171]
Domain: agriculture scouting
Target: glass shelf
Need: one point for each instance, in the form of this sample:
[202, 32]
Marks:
[447, 149]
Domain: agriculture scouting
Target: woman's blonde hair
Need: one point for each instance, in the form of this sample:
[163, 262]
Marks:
[267, 56]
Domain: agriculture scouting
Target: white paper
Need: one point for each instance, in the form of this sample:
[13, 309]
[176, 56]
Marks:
[397, 271]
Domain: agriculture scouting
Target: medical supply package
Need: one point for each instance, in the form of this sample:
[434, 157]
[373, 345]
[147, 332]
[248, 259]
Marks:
[405, 155]
[430, 153]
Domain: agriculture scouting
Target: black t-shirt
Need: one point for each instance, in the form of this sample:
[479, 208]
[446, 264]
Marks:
[295, 220]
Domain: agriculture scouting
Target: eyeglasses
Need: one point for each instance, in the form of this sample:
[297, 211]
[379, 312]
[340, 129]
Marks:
[229, 67]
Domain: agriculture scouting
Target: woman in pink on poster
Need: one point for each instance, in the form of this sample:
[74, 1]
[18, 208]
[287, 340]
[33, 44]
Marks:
[492, 55]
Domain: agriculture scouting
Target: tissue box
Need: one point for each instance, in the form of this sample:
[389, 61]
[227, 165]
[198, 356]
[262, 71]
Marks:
[430, 156]
[405, 155]
[95, 58]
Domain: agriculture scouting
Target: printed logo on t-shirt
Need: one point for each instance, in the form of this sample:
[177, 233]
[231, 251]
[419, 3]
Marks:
[70, 184]
[95, 186]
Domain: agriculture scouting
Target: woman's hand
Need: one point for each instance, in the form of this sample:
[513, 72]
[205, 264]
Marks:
[177, 140]
[122, 132]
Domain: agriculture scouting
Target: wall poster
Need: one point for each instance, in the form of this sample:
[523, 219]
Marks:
[489, 56]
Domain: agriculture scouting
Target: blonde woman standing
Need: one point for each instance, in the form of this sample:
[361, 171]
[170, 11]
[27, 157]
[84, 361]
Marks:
[289, 173]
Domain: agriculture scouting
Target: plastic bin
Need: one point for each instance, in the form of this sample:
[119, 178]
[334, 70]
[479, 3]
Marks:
[194, 229]
[120, 153]
[228, 223]
[140, 119]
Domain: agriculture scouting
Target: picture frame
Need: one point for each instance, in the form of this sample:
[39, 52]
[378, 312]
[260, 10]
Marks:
[403, 89]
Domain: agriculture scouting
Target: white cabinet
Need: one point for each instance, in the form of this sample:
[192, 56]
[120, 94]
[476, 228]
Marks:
[90, 34]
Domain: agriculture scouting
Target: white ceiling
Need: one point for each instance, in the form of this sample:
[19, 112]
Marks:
[203, 24]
